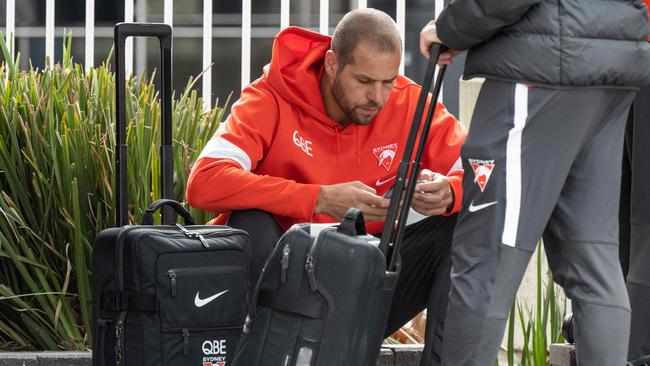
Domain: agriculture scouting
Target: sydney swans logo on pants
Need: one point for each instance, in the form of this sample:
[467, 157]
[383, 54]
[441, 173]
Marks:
[385, 155]
[482, 171]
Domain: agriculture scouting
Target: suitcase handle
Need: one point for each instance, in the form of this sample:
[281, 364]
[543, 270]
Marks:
[353, 223]
[409, 167]
[147, 218]
[164, 34]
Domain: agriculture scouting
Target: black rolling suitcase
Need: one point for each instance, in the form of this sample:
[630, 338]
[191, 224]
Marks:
[164, 294]
[324, 296]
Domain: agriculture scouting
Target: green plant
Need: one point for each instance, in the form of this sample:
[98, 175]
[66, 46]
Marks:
[541, 325]
[56, 168]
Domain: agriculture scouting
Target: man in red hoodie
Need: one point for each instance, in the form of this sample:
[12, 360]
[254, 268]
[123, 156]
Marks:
[323, 130]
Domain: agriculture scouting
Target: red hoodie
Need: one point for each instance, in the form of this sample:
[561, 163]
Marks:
[278, 146]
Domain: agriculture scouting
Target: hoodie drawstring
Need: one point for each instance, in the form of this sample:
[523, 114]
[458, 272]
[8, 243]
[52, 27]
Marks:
[338, 146]
[356, 130]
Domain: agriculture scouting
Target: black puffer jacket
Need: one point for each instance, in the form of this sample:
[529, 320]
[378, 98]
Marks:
[558, 43]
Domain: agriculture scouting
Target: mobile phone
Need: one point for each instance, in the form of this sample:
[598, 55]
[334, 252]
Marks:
[390, 191]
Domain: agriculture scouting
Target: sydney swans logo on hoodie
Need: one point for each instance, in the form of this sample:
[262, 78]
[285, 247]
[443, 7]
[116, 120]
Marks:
[385, 155]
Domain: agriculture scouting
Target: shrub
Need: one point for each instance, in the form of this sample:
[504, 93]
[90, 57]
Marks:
[56, 183]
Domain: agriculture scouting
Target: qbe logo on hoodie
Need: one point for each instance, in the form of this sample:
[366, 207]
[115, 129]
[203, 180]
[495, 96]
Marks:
[302, 143]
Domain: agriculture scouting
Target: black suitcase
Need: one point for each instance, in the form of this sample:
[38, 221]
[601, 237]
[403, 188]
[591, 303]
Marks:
[165, 294]
[324, 295]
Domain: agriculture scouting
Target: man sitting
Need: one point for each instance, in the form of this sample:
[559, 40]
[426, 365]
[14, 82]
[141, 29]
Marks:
[323, 130]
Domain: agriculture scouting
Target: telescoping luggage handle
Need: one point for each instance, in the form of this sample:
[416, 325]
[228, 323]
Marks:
[408, 171]
[164, 34]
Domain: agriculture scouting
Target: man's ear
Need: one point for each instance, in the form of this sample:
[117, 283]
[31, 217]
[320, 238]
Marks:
[331, 63]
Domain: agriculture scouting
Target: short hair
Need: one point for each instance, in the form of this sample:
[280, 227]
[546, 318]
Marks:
[370, 26]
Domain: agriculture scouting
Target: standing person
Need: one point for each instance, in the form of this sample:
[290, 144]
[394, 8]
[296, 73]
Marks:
[635, 221]
[542, 157]
[324, 130]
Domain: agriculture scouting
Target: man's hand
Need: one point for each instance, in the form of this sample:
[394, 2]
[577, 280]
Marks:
[336, 199]
[433, 196]
[428, 36]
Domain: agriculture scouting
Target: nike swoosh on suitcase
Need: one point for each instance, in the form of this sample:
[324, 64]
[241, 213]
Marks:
[198, 302]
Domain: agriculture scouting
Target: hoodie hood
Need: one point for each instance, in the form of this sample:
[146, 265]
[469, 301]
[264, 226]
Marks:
[296, 69]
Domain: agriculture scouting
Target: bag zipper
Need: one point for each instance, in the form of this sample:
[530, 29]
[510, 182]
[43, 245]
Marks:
[187, 334]
[284, 263]
[310, 262]
[119, 260]
[175, 272]
[212, 234]
[119, 339]
[192, 235]
[186, 341]
[229, 326]
[172, 278]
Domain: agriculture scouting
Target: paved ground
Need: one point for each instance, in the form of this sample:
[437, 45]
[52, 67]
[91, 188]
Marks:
[393, 356]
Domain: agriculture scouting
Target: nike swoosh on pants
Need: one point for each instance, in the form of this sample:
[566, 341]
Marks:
[473, 208]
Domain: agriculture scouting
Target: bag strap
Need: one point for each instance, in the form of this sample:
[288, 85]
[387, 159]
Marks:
[353, 223]
[116, 302]
[307, 307]
[99, 352]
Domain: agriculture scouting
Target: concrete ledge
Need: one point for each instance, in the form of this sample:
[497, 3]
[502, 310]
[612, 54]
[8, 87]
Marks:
[404, 354]
[562, 354]
[45, 358]
[391, 355]
[386, 357]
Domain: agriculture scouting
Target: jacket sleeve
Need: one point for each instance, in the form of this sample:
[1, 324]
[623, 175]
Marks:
[463, 24]
[446, 136]
[223, 178]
